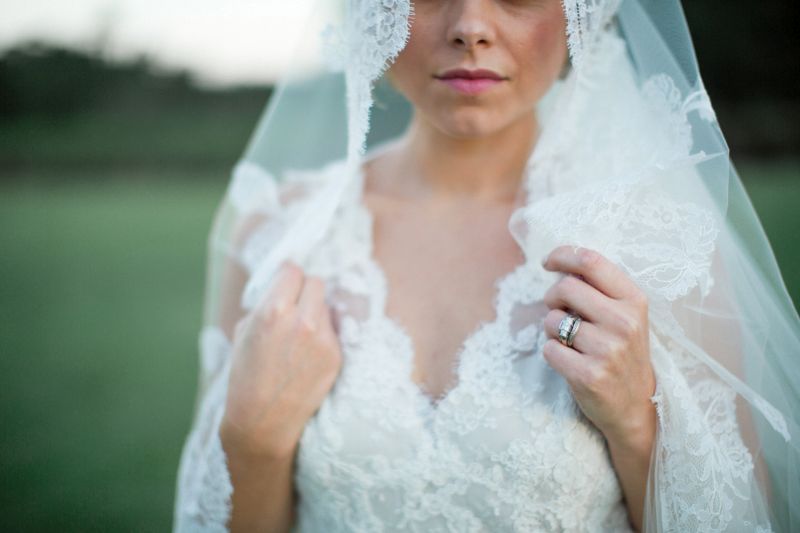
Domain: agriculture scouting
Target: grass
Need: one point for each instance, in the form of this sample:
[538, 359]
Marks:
[775, 193]
[100, 304]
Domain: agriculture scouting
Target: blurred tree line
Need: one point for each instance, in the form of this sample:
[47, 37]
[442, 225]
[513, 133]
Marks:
[66, 107]
[747, 54]
[61, 106]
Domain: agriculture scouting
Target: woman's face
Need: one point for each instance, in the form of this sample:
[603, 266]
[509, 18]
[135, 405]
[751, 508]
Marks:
[522, 42]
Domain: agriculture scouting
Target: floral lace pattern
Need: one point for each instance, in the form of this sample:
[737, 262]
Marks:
[504, 449]
[585, 20]
[203, 501]
[373, 33]
[702, 464]
[664, 245]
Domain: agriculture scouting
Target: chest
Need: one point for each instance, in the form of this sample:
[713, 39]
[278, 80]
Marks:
[505, 448]
[441, 275]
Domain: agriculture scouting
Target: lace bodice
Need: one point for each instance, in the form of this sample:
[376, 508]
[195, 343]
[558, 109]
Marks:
[505, 449]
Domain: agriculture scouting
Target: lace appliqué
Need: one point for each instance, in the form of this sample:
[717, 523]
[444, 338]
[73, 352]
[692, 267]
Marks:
[203, 501]
[701, 463]
[289, 196]
[585, 20]
[372, 35]
[664, 245]
[665, 101]
[252, 189]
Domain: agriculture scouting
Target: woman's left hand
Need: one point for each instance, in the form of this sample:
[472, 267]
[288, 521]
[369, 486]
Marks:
[608, 366]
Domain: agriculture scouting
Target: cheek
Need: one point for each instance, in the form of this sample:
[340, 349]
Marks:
[408, 72]
[542, 55]
[402, 72]
[551, 39]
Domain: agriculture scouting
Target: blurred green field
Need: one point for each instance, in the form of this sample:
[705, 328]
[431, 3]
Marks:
[100, 303]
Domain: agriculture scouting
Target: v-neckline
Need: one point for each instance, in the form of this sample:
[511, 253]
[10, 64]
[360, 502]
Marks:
[431, 405]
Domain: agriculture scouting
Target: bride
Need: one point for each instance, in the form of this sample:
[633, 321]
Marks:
[540, 301]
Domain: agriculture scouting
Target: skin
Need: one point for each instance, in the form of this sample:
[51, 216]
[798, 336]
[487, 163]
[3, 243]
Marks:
[463, 157]
[460, 160]
[286, 357]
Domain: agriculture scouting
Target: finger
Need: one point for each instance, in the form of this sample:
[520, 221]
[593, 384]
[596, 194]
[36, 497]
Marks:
[310, 305]
[334, 321]
[586, 339]
[285, 289]
[329, 332]
[596, 269]
[241, 326]
[565, 360]
[577, 295]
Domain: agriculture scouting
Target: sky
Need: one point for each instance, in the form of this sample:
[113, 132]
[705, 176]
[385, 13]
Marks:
[222, 42]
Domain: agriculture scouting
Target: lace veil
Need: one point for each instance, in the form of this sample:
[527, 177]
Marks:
[631, 162]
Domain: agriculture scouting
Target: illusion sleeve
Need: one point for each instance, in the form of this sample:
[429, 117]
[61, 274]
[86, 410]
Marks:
[249, 221]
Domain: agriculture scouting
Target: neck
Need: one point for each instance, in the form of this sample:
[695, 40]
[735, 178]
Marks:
[489, 167]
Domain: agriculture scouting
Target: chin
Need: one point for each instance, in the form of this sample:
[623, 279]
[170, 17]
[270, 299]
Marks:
[470, 128]
[469, 124]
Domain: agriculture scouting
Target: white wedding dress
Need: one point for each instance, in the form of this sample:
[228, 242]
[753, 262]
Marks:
[631, 163]
[505, 449]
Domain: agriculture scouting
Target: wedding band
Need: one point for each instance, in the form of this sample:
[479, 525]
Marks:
[568, 328]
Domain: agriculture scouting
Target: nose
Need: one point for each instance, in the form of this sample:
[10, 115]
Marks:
[470, 24]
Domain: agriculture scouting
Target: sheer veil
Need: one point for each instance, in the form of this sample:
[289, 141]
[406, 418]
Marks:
[630, 162]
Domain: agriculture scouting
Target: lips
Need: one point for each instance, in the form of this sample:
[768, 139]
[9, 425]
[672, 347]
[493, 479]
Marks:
[470, 82]
[476, 74]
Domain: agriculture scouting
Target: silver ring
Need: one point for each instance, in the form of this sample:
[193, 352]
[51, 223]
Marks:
[568, 328]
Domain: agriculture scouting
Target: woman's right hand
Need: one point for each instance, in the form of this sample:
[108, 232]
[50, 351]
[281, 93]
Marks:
[286, 358]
